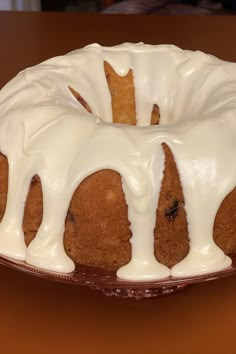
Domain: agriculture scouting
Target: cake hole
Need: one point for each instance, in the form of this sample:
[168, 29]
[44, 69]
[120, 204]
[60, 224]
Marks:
[80, 99]
[3, 184]
[122, 98]
[33, 210]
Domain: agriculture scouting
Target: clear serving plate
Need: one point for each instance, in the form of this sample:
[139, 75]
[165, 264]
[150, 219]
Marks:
[107, 282]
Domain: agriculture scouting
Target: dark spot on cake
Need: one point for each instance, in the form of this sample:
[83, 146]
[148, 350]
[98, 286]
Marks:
[34, 181]
[70, 217]
[113, 91]
[172, 212]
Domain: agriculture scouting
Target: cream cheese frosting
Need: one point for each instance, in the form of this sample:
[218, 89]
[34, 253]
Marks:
[44, 130]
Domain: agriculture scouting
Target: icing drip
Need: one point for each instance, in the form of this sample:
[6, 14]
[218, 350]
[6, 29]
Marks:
[58, 140]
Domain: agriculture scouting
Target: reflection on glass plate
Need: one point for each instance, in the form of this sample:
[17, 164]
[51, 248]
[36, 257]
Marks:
[108, 284]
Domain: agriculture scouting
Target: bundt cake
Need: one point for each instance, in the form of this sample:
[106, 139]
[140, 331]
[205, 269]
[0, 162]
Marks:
[120, 158]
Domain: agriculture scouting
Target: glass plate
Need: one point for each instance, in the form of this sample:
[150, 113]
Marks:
[107, 282]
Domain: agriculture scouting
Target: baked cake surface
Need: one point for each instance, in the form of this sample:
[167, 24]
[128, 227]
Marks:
[150, 196]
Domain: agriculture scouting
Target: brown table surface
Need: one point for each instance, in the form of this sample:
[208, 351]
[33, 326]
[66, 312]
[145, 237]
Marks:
[42, 317]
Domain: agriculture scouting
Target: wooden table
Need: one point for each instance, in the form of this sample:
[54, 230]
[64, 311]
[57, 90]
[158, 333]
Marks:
[42, 317]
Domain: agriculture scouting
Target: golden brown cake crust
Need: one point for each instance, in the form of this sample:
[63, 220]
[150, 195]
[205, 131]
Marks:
[122, 96]
[97, 228]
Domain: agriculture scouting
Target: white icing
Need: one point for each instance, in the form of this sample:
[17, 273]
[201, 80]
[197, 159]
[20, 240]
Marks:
[44, 130]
